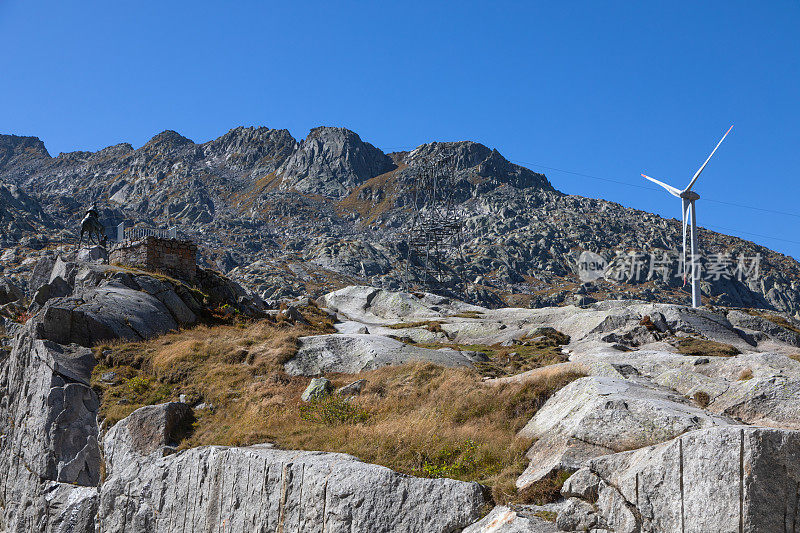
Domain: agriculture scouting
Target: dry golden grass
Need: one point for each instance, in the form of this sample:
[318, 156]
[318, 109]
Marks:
[695, 346]
[468, 314]
[775, 319]
[419, 418]
[701, 398]
[431, 325]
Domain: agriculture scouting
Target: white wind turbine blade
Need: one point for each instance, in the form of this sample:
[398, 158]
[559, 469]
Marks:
[697, 174]
[674, 191]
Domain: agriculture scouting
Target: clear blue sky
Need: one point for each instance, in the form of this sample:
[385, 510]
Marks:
[610, 89]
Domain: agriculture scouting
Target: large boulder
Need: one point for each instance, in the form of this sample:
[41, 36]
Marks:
[104, 313]
[355, 353]
[259, 488]
[594, 416]
[149, 432]
[379, 306]
[724, 478]
[757, 388]
[9, 292]
[92, 254]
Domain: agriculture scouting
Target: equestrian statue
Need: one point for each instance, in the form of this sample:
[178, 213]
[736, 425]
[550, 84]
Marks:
[92, 227]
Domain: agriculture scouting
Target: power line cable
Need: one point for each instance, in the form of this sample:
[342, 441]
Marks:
[654, 189]
[628, 184]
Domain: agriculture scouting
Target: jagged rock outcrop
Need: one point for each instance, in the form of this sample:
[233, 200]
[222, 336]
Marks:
[261, 488]
[9, 292]
[331, 162]
[148, 433]
[49, 454]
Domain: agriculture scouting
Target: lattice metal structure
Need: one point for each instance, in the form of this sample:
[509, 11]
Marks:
[435, 258]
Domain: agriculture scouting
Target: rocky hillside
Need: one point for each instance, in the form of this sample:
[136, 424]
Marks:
[260, 201]
[134, 402]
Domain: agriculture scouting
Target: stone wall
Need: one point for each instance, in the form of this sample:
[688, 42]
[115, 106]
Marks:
[170, 256]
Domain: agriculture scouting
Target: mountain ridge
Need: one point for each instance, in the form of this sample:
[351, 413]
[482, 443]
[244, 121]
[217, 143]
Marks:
[256, 195]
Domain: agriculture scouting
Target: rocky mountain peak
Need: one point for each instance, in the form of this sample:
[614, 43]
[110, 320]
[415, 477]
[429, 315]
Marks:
[115, 150]
[468, 157]
[331, 162]
[16, 150]
[167, 140]
[263, 148]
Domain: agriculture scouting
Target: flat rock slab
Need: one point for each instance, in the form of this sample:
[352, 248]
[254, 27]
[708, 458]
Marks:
[724, 478]
[595, 326]
[259, 488]
[594, 416]
[355, 353]
[378, 306]
[759, 388]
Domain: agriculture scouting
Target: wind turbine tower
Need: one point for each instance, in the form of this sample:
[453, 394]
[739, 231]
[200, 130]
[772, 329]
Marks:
[688, 198]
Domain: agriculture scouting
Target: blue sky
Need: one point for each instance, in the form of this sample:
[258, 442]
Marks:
[605, 89]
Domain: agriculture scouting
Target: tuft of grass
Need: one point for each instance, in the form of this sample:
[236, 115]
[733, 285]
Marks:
[550, 516]
[431, 325]
[776, 319]
[333, 409]
[546, 490]
[419, 418]
[695, 346]
[467, 314]
[701, 398]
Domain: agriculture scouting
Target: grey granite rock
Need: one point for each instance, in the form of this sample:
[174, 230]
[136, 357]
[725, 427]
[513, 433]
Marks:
[263, 489]
[331, 161]
[102, 314]
[9, 292]
[595, 416]
[149, 432]
[49, 428]
[717, 479]
[317, 388]
[356, 352]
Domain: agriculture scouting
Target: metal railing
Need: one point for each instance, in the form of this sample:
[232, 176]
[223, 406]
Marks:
[140, 232]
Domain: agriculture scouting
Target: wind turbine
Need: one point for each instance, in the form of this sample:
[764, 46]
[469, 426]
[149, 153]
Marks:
[688, 198]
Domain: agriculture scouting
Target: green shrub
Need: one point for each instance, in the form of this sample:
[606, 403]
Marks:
[452, 461]
[138, 385]
[332, 410]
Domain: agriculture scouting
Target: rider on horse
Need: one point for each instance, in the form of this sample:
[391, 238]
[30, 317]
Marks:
[91, 224]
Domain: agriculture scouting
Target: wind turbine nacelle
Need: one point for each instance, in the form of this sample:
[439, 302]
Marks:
[690, 195]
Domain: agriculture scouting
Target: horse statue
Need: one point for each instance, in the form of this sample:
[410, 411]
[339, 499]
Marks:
[92, 226]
